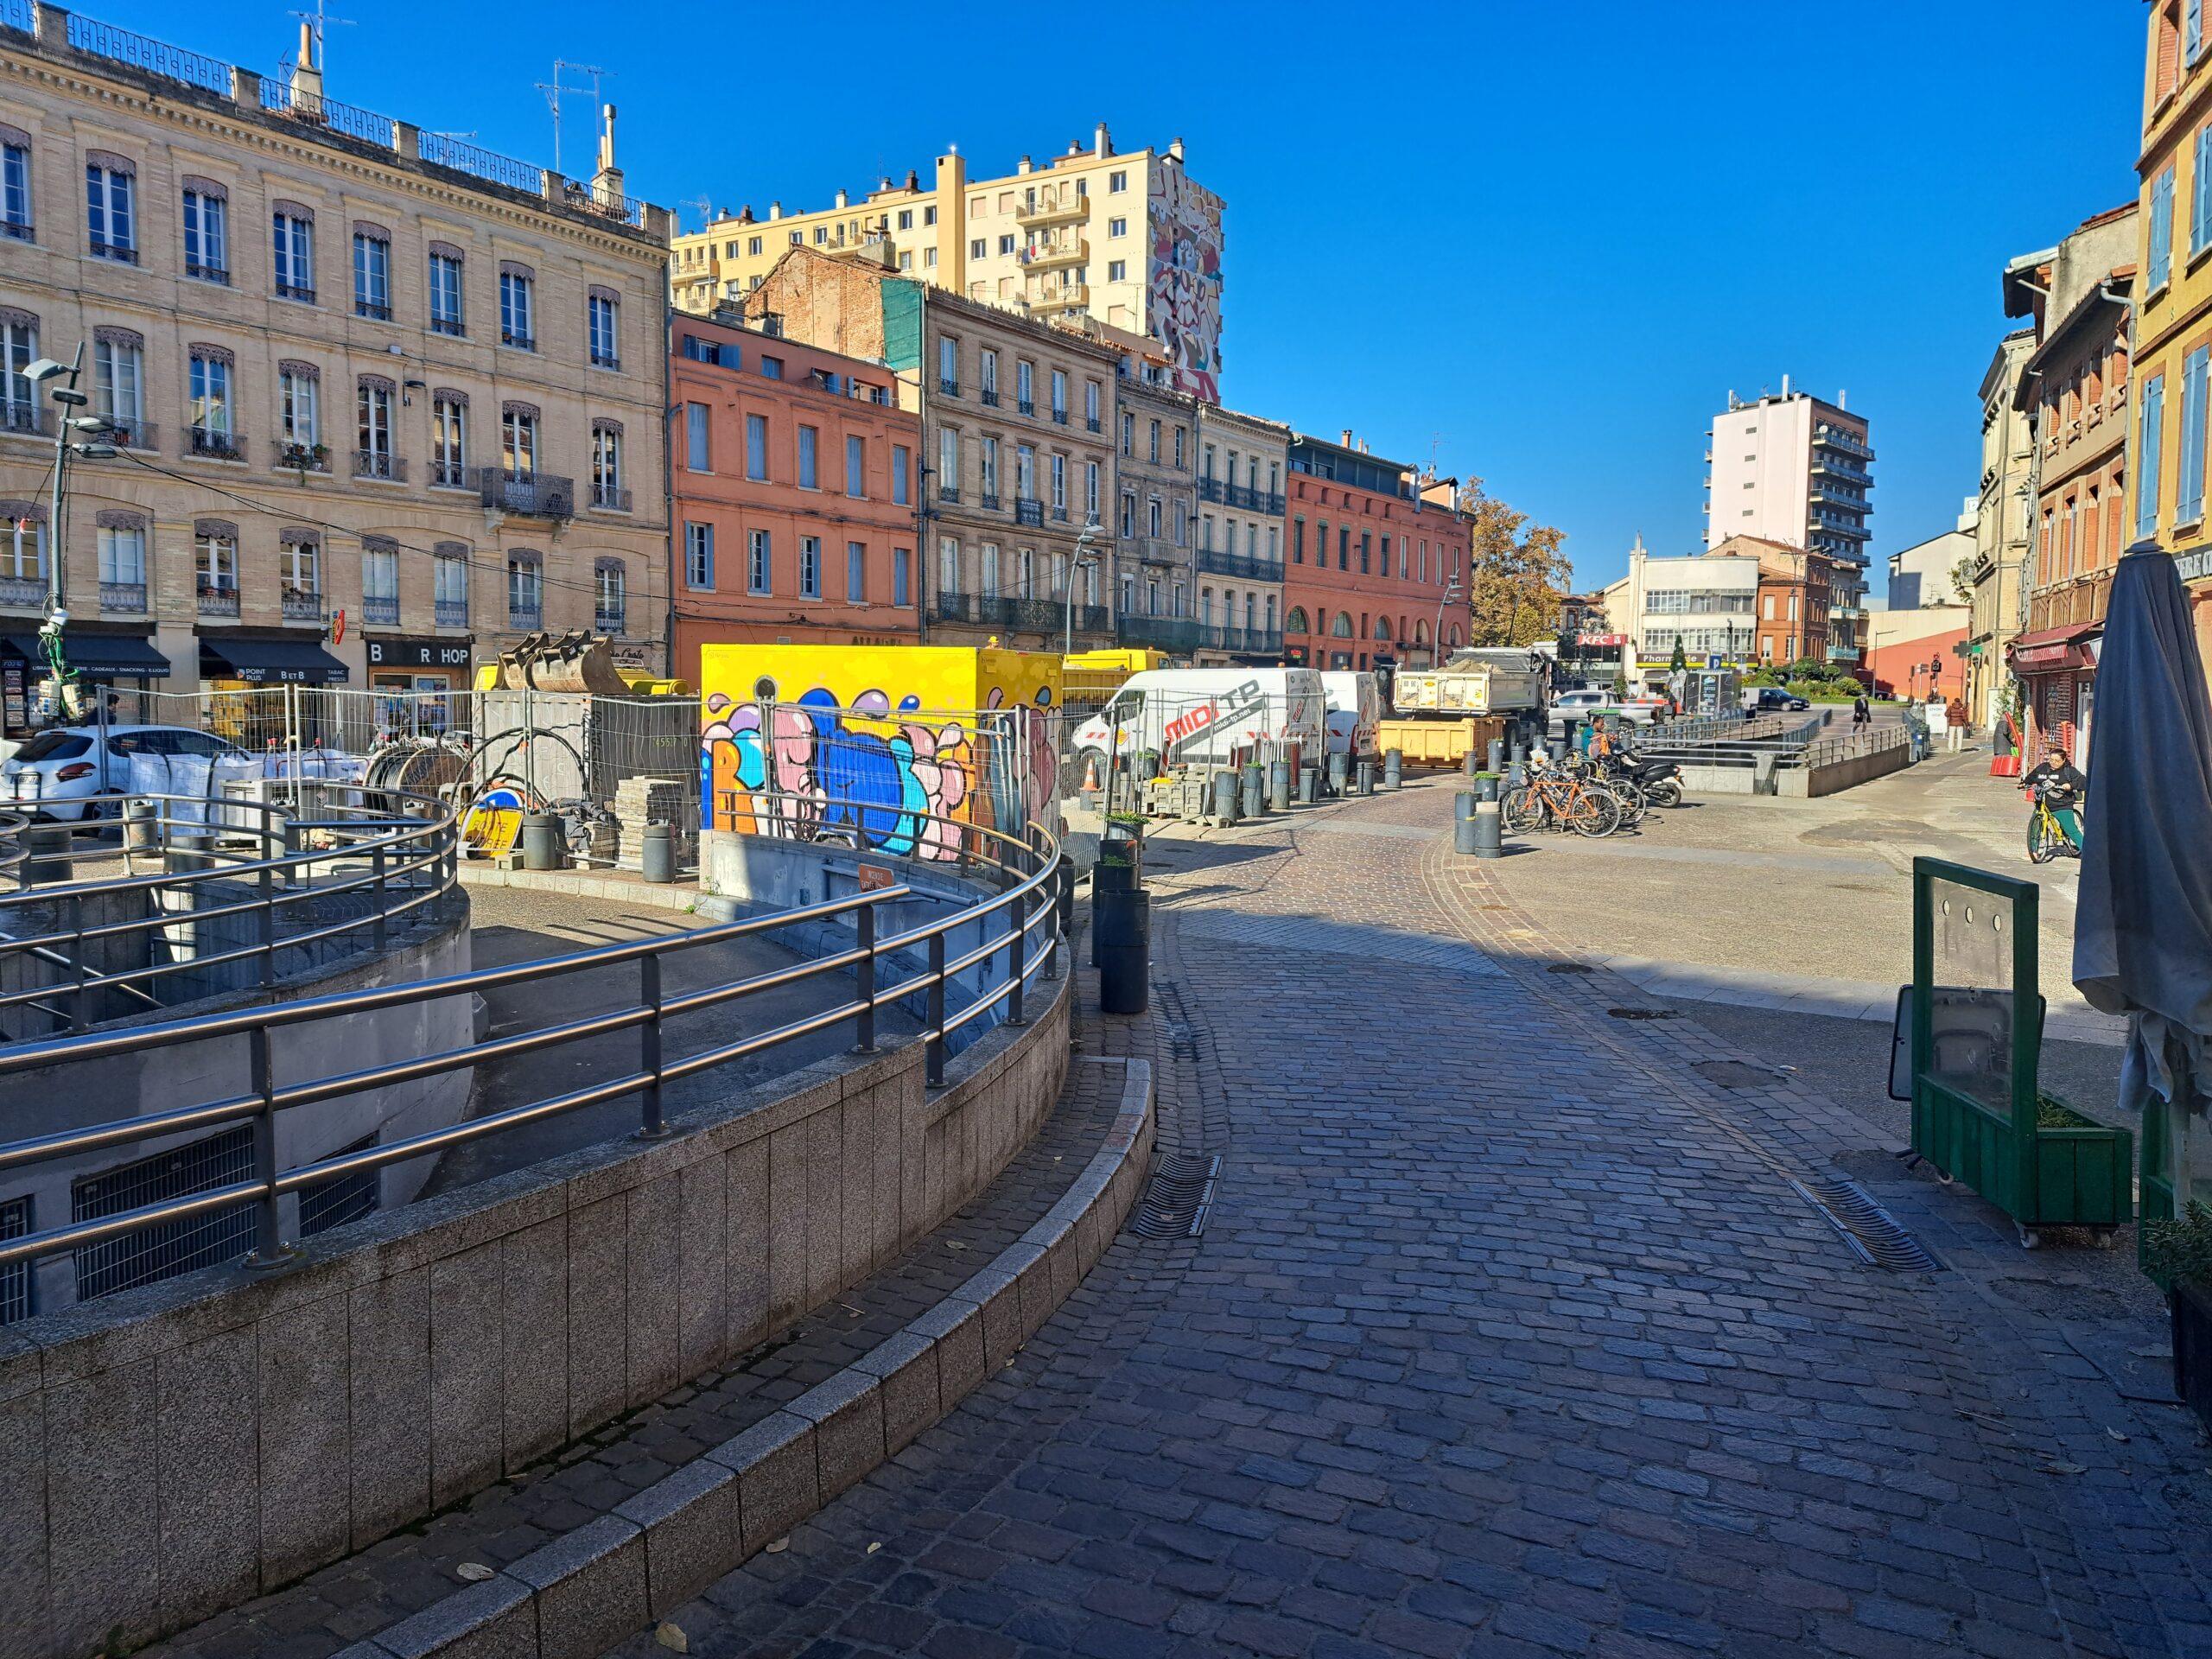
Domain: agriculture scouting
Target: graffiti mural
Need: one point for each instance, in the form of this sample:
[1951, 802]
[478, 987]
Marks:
[1184, 302]
[969, 737]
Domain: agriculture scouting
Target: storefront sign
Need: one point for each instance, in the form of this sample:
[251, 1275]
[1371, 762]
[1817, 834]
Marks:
[1593, 639]
[635, 657]
[419, 653]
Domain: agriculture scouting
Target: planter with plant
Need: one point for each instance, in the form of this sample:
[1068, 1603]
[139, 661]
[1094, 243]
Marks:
[2177, 1254]
[305, 458]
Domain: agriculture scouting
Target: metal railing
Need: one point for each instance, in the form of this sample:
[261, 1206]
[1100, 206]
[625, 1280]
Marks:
[442, 150]
[1035, 885]
[155, 57]
[1221, 562]
[405, 837]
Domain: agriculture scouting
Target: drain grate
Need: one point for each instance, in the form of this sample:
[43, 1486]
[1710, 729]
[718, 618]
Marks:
[1872, 1232]
[1175, 1203]
[1642, 1013]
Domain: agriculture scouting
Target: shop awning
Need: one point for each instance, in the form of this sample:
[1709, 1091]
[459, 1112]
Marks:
[269, 662]
[127, 656]
[2047, 650]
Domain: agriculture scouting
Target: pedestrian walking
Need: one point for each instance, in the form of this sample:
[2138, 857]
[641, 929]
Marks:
[1860, 714]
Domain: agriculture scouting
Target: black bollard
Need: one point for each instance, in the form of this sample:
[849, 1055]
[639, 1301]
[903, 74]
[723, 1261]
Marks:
[1366, 777]
[1339, 770]
[1309, 785]
[1487, 825]
[1123, 924]
[1463, 832]
[1463, 804]
[1393, 766]
[1496, 754]
[1278, 787]
[1472, 763]
[1224, 796]
[1254, 790]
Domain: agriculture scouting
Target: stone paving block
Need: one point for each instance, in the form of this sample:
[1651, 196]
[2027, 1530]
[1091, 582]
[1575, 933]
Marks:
[692, 1535]
[495, 1619]
[779, 1480]
[847, 1412]
[590, 1588]
[906, 1365]
[957, 1329]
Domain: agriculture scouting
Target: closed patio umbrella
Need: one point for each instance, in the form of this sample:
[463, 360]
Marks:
[2143, 929]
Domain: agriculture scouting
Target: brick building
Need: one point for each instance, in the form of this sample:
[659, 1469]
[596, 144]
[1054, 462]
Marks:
[795, 493]
[356, 367]
[1372, 561]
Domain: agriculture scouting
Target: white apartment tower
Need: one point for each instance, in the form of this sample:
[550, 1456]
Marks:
[1796, 469]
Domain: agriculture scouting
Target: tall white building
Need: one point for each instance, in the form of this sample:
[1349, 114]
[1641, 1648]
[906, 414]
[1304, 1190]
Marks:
[1707, 605]
[1796, 469]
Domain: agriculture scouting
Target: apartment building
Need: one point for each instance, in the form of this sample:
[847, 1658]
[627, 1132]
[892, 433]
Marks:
[1124, 237]
[1796, 469]
[1243, 465]
[795, 493]
[1791, 602]
[2004, 505]
[1017, 461]
[1708, 604]
[1156, 508]
[2172, 293]
[2071, 402]
[1373, 564]
[359, 371]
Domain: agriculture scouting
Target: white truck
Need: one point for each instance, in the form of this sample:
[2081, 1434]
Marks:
[1478, 681]
[1355, 702]
[1203, 716]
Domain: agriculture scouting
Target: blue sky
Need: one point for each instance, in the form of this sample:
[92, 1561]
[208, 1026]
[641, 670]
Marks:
[1543, 240]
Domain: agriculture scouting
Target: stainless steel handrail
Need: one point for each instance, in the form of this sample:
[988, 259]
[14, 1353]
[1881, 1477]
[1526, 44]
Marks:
[1039, 850]
[397, 850]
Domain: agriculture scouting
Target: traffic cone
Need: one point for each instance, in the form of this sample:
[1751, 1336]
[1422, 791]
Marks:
[1090, 776]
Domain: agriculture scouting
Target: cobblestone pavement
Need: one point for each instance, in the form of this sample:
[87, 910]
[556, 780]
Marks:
[1508, 1337]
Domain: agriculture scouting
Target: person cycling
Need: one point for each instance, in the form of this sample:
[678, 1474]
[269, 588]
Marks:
[2061, 786]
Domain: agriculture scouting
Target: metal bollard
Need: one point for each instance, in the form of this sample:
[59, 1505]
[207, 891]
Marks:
[1394, 768]
[656, 854]
[1463, 804]
[1367, 777]
[1278, 787]
[1517, 771]
[141, 831]
[1559, 748]
[1471, 762]
[1463, 831]
[47, 856]
[540, 842]
[1255, 790]
[1309, 785]
[1496, 755]
[1339, 772]
[1224, 796]
[1485, 786]
[1488, 826]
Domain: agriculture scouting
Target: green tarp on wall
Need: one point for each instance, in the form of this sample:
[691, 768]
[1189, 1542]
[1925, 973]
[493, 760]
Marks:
[902, 325]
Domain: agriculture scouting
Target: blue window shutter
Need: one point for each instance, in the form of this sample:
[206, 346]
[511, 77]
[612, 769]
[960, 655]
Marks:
[2192, 28]
[2189, 496]
[2147, 457]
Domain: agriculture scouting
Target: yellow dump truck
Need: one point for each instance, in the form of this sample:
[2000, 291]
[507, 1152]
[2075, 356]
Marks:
[1440, 742]
[1090, 678]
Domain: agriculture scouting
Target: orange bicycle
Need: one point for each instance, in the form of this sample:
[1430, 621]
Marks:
[1561, 797]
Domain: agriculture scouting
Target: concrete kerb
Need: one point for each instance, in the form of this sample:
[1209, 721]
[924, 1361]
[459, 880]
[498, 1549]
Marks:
[587, 1590]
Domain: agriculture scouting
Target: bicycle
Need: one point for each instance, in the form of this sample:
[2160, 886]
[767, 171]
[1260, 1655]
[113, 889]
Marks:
[2047, 837]
[1563, 799]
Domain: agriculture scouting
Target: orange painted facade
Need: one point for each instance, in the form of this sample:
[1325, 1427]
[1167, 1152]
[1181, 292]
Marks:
[1902, 670]
[795, 479]
[1367, 567]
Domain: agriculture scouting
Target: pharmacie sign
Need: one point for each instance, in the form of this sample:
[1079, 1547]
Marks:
[418, 653]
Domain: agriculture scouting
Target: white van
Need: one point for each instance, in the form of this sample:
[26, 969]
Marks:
[1203, 716]
[1355, 713]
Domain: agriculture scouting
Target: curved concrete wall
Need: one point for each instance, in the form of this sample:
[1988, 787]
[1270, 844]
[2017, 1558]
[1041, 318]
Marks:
[169, 1451]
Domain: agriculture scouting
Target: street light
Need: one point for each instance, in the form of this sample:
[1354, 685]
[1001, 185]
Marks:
[1076, 567]
[1436, 634]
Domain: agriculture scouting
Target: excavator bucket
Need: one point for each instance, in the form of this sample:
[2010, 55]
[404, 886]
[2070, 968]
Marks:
[575, 661]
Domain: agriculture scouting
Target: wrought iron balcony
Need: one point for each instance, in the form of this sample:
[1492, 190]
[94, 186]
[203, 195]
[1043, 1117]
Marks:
[22, 593]
[25, 419]
[302, 605]
[18, 230]
[378, 463]
[1242, 566]
[294, 291]
[123, 598]
[300, 457]
[540, 495]
[1028, 511]
[1059, 417]
[950, 388]
[218, 598]
[605, 360]
[448, 325]
[213, 444]
[1249, 641]
[610, 498]
[606, 621]
[380, 610]
[118, 252]
[1158, 632]
[375, 310]
[452, 613]
[143, 435]
[1026, 406]
[207, 273]
[524, 619]
[1090, 422]
[1210, 489]
[990, 397]
[949, 492]
[520, 342]
[1013, 613]
[990, 501]
[451, 475]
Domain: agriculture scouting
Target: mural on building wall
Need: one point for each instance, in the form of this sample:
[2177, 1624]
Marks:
[872, 744]
[1185, 301]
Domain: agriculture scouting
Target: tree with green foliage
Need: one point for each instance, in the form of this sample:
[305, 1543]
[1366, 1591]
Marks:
[1679, 661]
[1518, 574]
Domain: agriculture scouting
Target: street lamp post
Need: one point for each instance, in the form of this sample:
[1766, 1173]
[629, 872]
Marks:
[1076, 567]
[93, 431]
[1436, 634]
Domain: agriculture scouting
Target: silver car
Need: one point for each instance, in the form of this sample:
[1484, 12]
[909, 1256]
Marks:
[54, 774]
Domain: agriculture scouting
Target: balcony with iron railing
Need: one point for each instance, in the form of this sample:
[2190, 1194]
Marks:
[949, 493]
[214, 444]
[1850, 444]
[451, 475]
[1028, 511]
[1053, 210]
[122, 598]
[374, 310]
[302, 604]
[122, 252]
[379, 464]
[990, 395]
[1157, 632]
[605, 619]
[1839, 467]
[25, 420]
[218, 598]
[1055, 251]
[1014, 613]
[610, 498]
[1090, 422]
[1059, 417]
[380, 610]
[539, 495]
[18, 230]
[216, 274]
[22, 593]
[1064, 297]
[948, 388]
[451, 613]
[1026, 406]
[1244, 566]
[295, 457]
[525, 617]
[1246, 641]
[294, 291]
[1210, 489]
[989, 501]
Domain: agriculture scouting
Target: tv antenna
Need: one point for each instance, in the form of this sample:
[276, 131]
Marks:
[317, 21]
[556, 88]
[706, 210]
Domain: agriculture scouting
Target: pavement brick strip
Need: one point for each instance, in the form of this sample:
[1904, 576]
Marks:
[649, 1510]
[1506, 1338]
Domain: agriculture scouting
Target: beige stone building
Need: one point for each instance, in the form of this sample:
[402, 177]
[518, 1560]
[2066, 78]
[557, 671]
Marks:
[359, 369]
[1017, 462]
[1242, 462]
[2004, 514]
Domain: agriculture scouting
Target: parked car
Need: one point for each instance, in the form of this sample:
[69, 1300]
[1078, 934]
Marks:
[53, 774]
[1581, 705]
[1772, 699]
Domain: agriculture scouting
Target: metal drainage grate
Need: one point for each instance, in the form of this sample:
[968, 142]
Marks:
[1642, 1013]
[1870, 1230]
[1175, 1204]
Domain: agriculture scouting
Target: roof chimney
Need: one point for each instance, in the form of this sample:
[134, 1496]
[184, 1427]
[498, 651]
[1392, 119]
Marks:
[1839, 395]
[1023, 167]
[1175, 150]
[1103, 141]
[1347, 443]
[606, 181]
[745, 217]
[307, 74]
[841, 199]
[1785, 385]
[775, 210]
[914, 180]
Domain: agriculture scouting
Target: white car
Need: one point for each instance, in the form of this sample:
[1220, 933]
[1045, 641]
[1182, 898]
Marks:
[1580, 705]
[53, 775]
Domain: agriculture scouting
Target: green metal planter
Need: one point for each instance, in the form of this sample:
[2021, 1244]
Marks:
[1976, 1033]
